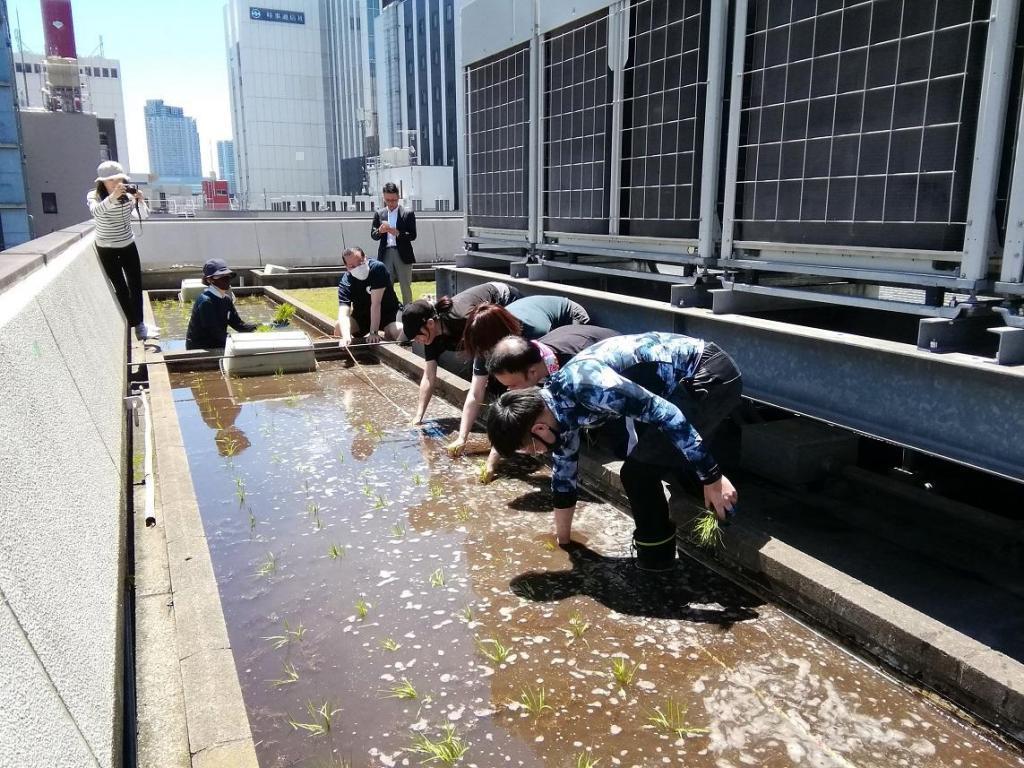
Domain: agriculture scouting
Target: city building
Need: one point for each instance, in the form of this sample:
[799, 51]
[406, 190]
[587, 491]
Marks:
[14, 220]
[227, 168]
[173, 141]
[420, 187]
[417, 103]
[302, 97]
[101, 94]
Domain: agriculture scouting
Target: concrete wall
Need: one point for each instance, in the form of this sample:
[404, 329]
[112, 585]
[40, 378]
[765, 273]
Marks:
[288, 242]
[62, 151]
[62, 508]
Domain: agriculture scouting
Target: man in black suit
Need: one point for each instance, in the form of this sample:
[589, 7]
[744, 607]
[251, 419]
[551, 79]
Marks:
[395, 228]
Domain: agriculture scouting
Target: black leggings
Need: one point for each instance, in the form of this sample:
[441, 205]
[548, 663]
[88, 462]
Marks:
[705, 401]
[124, 270]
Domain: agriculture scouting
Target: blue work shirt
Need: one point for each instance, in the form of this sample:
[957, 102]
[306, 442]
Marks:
[624, 377]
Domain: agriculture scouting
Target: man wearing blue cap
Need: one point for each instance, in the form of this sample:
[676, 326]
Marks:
[214, 310]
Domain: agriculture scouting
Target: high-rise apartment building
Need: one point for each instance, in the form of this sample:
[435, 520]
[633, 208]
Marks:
[302, 96]
[173, 141]
[14, 223]
[417, 103]
[227, 169]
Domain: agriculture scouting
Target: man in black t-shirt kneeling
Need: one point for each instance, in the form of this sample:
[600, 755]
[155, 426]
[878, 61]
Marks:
[367, 303]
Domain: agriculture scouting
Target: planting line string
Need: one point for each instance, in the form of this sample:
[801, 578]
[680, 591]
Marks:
[369, 381]
[215, 358]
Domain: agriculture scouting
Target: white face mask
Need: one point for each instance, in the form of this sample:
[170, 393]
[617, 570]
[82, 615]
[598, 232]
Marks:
[361, 272]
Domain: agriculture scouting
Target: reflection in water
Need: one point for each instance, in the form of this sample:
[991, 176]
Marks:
[350, 559]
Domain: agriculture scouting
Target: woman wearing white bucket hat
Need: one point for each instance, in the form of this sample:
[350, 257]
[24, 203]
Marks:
[111, 205]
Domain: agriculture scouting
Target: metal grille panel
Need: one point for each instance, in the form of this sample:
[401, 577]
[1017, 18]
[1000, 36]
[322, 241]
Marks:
[663, 118]
[577, 124]
[497, 111]
[857, 123]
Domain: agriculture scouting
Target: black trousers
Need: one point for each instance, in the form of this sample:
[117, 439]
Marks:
[705, 401]
[124, 270]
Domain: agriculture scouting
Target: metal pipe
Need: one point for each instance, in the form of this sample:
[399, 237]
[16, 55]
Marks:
[708, 230]
[618, 51]
[215, 358]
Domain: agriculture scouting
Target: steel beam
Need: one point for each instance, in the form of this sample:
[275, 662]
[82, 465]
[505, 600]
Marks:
[732, 148]
[958, 407]
[709, 230]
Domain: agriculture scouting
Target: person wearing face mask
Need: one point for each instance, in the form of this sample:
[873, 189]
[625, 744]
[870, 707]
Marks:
[214, 310]
[367, 303]
[672, 390]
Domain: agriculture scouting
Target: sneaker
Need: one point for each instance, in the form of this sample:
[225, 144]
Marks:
[656, 556]
[145, 332]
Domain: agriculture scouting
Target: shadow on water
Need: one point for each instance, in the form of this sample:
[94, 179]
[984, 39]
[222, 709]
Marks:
[687, 593]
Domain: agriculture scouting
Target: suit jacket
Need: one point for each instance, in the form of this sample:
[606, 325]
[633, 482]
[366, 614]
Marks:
[406, 226]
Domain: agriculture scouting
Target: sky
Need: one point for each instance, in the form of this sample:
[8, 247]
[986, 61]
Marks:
[171, 50]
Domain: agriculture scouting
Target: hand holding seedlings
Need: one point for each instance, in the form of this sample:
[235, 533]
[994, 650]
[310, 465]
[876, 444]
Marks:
[720, 497]
[456, 447]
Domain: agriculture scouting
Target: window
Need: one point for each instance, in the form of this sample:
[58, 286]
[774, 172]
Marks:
[113, 72]
[448, 12]
[49, 202]
[433, 20]
[88, 71]
[17, 66]
[106, 72]
[36, 69]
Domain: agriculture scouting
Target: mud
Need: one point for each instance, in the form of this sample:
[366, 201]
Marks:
[318, 501]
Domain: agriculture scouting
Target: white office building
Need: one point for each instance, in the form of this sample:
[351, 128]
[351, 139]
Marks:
[102, 96]
[302, 93]
[227, 168]
[417, 66]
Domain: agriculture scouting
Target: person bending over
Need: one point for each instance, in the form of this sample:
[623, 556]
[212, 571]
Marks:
[488, 324]
[516, 363]
[214, 310]
[672, 390]
[367, 303]
[439, 325]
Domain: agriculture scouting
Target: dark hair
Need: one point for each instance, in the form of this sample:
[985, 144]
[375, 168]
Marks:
[486, 325]
[416, 314]
[513, 354]
[511, 418]
[390, 188]
[101, 191]
[352, 252]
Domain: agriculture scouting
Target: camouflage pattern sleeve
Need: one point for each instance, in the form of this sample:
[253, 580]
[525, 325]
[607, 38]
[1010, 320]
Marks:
[565, 470]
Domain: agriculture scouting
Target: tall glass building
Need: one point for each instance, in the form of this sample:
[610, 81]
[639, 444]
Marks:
[173, 141]
[226, 166]
[14, 222]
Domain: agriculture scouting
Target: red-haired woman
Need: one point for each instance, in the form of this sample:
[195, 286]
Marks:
[487, 324]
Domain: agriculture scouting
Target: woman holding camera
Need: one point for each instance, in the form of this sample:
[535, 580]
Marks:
[112, 205]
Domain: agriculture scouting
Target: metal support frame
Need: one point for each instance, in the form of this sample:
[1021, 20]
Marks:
[709, 230]
[618, 52]
[954, 406]
[535, 159]
[980, 234]
[1011, 280]
[732, 148]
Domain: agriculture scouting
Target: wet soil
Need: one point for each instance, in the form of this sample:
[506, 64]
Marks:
[172, 317]
[352, 555]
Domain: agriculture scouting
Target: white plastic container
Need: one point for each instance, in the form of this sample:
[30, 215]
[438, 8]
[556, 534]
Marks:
[191, 287]
[245, 354]
[274, 269]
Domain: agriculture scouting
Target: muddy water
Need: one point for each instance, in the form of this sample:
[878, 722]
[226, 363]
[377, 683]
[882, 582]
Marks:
[321, 506]
[172, 316]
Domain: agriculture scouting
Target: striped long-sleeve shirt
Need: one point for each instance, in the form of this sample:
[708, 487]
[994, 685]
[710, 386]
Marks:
[114, 219]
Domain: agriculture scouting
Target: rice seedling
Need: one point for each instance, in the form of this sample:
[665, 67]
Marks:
[341, 457]
[284, 313]
[269, 566]
[467, 613]
[437, 579]
[240, 490]
[436, 491]
[706, 532]
[320, 719]
[462, 513]
[291, 675]
[381, 502]
[416, 479]
[229, 446]
[583, 760]
[390, 644]
[673, 719]
[367, 489]
[278, 372]
[623, 671]
[402, 690]
[550, 545]
[252, 522]
[527, 590]
[291, 400]
[362, 608]
[335, 552]
[493, 650]
[290, 635]
[398, 530]
[533, 701]
[578, 626]
[447, 750]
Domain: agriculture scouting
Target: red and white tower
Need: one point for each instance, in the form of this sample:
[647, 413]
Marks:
[59, 29]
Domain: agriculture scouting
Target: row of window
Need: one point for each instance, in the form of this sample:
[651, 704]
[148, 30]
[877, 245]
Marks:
[88, 71]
